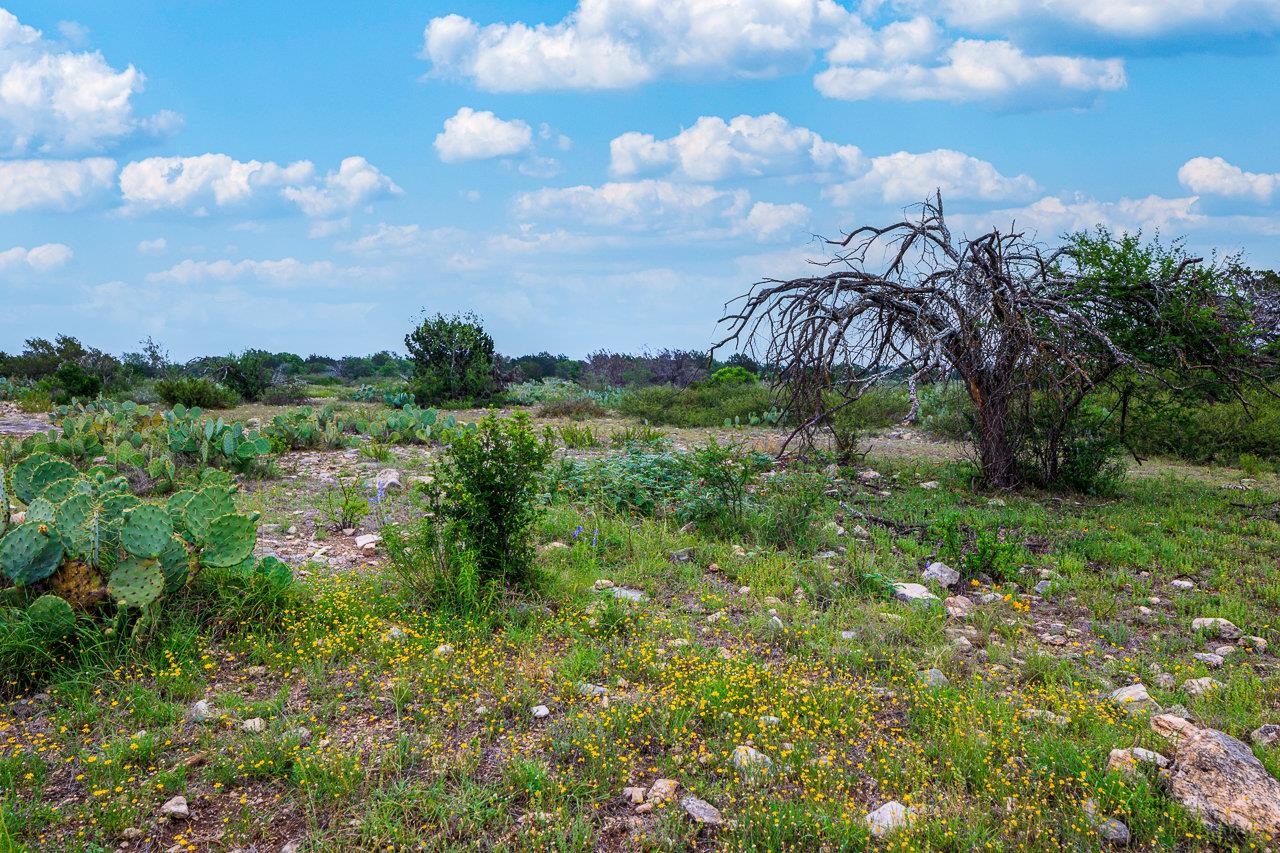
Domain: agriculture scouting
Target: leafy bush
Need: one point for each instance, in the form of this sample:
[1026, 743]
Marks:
[452, 359]
[716, 494]
[733, 375]
[343, 506]
[290, 392]
[638, 436]
[485, 491]
[1087, 459]
[787, 506]
[193, 392]
[74, 382]
[578, 409]
[1197, 431]
[696, 406]
[579, 437]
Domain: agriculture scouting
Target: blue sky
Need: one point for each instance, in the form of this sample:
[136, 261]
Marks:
[601, 174]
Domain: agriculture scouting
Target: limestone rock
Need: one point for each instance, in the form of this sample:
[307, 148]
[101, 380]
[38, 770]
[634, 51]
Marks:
[958, 606]
[1134, 698]
[1219, 778]
[913, 593]
[1200, 686]
[748, 759]
[941, 574]
[176, 808]
[663, 790]
[1219, 627]
[701, 811]
[1266, 735]
[890, 816]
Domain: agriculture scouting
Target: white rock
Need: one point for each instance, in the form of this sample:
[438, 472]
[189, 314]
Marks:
[200, 711]
[388, 480]
[1134, 698]
[1219, 627]
[913, 593]
[603, 583]
[444, 650]
[540, 711]
[958, 606]
[367, 539]
[255, 725]
[933, 678]
[1209, 659]
[626, 594]
[890, 816]
[176, 807]
[941, 574]
[1182, 584]
[1200, 686]
[701, 811]
[748, 759]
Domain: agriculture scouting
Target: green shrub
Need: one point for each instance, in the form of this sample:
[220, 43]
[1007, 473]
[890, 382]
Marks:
[696, 406]
[75, 382]
[579, 409]
[579, 437]
[195, 393]
[290, 392]
[785, 515]
[484, 492]
[733, 375]
[452, 359]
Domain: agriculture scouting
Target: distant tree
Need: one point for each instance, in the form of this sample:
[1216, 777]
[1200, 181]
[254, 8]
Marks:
[453, 359]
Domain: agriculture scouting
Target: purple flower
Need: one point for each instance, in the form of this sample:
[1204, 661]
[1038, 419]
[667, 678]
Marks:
[577, 531]
[595, 537]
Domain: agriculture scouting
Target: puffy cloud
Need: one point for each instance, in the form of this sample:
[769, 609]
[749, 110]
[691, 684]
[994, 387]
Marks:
[55, 101]
[767, 221]
[355, 183]
[745, 146]
[283, 271]
[52, 184]
[1215, 176]
[1052, 216]
[220, 181]
[472, 135]
[38, 258]
[648, 205]
[613, 44]
[974, 70]
[1130, 18]
[911, 177]
[659, 207]
[153, 247]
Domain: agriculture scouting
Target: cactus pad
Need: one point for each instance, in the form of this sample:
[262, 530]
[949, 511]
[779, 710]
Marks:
[275, 570]
[229, 541]
[50, 472]
[79, 584]
[51, 618]
[147, 531]
[136, 583]
[41, 511]
[205, 507]
[175, 564]
[78, 520]
[30, 552]
[22, 474]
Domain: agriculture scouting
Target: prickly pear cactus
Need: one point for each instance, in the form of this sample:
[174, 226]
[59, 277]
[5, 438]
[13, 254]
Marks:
[79, 584]
[47, 480]
[147, 531]
[175, 564]
[22, 474]
[30, 552]
[136, 582]
[51, 618]
[229, 541]
[204, 508]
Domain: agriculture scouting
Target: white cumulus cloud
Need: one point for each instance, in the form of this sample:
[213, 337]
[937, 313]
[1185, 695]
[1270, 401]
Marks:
[220, 181]
[58, 101]
[767, 221]
[480, 135]
[745, 146]
[613, 44]
[38, 258]
[648, 205]
[975, 70]
[911, 177]
[1053, 216]
[1215, 176]
[52, 184]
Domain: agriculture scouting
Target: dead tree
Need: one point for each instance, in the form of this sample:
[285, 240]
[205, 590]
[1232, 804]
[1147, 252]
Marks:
[998, 312]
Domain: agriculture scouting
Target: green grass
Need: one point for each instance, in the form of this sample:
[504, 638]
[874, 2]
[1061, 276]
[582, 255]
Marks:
[411, 749]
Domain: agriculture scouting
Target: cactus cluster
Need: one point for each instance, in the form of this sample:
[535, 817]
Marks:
[214, 442]
[88, 539]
